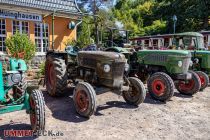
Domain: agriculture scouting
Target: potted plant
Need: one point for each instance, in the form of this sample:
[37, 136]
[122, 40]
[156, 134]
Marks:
[20, 46]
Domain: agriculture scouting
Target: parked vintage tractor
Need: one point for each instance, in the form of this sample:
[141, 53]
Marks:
[15, 94]
[87, 70]
[194, 42]
[161, 70]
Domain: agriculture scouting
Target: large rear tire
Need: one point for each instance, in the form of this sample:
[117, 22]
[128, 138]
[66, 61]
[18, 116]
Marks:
[37, 111]
[203, 78]
[136, 93]
[160, 86]
[84, 99]
[55, 75]
[191, 86]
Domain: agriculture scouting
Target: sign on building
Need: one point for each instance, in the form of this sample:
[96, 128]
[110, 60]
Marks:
[19, 15]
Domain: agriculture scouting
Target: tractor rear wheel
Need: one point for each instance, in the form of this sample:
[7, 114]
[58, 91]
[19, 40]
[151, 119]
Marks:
[160, 86]
[191, 86]
[203, 78]
[136, 93]
[55, 75]
[84, 99]
[37, 111]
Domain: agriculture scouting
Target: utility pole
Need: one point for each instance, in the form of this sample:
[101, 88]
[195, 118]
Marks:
[96, 23]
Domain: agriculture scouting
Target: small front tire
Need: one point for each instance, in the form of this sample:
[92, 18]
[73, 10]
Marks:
[37, 111]
[84, 99]
[136, 93]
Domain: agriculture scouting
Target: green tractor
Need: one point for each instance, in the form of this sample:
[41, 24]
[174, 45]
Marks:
[88, 70]
[194, 42]
[16, 95]
[163, 70]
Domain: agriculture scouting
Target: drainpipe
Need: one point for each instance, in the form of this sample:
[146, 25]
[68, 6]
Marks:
[76, 28]
[53, 31]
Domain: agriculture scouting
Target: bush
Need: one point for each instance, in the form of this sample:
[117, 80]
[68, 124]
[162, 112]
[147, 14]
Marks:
[20, 46]
[42, 68]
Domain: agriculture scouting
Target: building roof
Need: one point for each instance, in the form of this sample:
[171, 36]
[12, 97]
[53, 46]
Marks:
[64, 6]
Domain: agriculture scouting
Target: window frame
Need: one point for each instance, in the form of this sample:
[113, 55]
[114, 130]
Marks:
[21, 26]
[5, 36]
[41, 37]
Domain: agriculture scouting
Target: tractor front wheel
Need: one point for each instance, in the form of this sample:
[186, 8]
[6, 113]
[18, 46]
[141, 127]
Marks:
[160, 86]
[136, 93]
[84, 99]
[191, 86]
[203, 78]
[37, 111]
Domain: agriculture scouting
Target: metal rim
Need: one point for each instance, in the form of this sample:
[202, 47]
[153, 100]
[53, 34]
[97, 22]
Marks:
[82, 100]
[158, 87]
[202, 79]
[132, 91]
[187, 86]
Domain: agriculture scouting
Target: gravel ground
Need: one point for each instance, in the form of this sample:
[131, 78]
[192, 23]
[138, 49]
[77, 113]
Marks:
[182, 118]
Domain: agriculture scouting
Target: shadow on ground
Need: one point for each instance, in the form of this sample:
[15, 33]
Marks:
[15, 127]
[62, 108]
[177, 94]
[111, 104]
[150, 100]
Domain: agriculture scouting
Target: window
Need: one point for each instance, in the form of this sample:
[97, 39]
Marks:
[21, 26]
[2, 35]
[166, 42]
[41, 37]
[146, 43]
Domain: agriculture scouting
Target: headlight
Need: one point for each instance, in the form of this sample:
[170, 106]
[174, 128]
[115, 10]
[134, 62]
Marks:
[127, 67]
[107, 68]
[191, 63]
[180, 63]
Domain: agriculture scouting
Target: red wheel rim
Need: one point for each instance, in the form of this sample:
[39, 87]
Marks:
[51, 75]
[82, 100]
[32, 114]
[202, 79]
[158, 87]
[187, 86]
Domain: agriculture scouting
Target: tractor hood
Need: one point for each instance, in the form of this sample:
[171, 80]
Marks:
[174, 61]
[90, 59]
[100, 55]
[168, 52]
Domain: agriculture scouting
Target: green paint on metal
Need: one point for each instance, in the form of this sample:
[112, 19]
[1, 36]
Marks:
[12, 108]
[198, 51]
[26, 102]
[1, 84]
[15, 63]
[168, 59]
[171, 52]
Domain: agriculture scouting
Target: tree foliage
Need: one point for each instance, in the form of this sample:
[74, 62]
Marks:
[148, 17]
